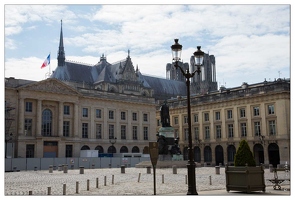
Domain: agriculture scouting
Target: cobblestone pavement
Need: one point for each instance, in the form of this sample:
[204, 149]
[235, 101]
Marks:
[135, 181]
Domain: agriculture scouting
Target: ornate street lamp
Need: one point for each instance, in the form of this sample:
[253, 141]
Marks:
[113, 141]
[199, 55]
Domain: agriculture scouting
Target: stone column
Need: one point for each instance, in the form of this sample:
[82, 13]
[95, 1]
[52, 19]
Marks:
[21, 116]
[39, 118]
[60, 119]
[76, 120]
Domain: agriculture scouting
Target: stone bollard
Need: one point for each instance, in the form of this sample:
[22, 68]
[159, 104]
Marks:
[48, 190]
[217, 169]
[65, 168]
[81, 170]
[122, 169]
[35, 168]
[59, 167]
[64, 189]
[148, 170]
[88, 184]
[50, 168]
[110, 165]
[174, 169]
[77, 187]
[93, 165]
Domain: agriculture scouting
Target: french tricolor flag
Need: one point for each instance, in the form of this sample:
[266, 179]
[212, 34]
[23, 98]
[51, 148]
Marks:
[46, 62]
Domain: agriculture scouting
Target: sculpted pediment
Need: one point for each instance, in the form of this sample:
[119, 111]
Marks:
[51, 85]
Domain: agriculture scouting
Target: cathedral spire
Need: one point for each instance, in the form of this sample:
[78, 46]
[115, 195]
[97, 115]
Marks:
[61, 52]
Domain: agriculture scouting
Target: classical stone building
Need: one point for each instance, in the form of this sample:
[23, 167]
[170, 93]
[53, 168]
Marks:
[53, 119]
[258, 113]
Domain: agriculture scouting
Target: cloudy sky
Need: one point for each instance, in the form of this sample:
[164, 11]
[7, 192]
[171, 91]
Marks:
[250, 42]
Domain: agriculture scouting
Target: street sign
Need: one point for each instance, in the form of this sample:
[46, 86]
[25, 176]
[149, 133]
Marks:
[154, 152]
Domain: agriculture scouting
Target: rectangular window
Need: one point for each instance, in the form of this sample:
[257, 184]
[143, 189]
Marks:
[111, 131]
[123, 115]
[111, 114]
[217, 116]
[207, 132]
[30, 149]
[145, 117]
[185, 119]
[196, 118]
[175, 120]
[256, 111]
[134, 116]
[123, 132]
[243, 130]
[145, 133]
[84, 130]
[98, 113]
[272, 127]
[29, 106]
[85, 112]
[242, 112]
[271, 109]
[28, 127]
[206, 117]
[196, 130]
[229, 114]
[257, 128]
[69, 150]
[230, 128]
[66, 110]
[98, 131]
[186, 134]
[218, 131]
[134, 132]
[66, 129]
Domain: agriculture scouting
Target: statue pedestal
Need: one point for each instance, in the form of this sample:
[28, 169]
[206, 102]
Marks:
[168, 133]
[165, 157]
[177, 157]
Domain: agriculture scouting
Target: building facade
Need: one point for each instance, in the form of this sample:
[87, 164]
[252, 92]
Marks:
[258, 113]
[52, 119]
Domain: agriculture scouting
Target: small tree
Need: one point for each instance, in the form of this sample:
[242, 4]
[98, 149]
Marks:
[244, 155]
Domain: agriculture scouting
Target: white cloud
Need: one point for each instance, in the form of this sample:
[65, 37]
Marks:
[245, 39]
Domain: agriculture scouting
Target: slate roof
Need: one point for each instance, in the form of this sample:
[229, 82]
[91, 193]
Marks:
[106, 72]
[168, 88]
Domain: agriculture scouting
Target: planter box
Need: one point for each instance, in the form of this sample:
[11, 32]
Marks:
[245, 179]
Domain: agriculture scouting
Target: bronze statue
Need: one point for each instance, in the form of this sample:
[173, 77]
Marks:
[165, 116]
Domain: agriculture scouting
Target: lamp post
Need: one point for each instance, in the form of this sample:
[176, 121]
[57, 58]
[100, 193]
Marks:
[199, 55]
[113, 141]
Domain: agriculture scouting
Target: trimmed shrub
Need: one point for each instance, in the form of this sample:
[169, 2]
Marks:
[244, 155]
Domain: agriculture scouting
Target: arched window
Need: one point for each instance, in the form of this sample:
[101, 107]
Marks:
[85, 147]
[135, 149]
[124, 149]
[46, 122]
[99, 148]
